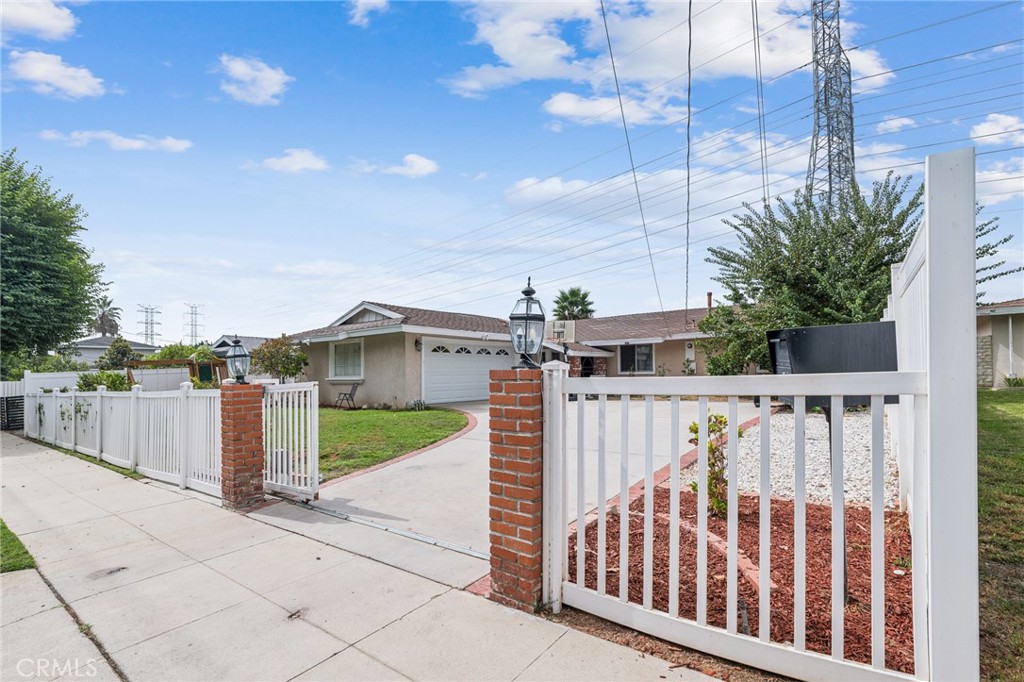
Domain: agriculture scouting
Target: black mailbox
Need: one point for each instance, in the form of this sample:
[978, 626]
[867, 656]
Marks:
[839, 348]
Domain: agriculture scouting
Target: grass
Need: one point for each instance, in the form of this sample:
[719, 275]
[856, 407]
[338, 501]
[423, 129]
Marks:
[1001, 533]
[92, 460]
[13, 555]
[351, 440]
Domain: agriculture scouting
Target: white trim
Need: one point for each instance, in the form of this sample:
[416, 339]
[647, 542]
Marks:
[366, 306]
[1012, 310]
[330, 361]
[618, 361]
[623, 342]
[488, 337]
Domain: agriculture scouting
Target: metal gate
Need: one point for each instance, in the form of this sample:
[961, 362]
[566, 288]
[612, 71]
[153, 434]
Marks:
[291, 439]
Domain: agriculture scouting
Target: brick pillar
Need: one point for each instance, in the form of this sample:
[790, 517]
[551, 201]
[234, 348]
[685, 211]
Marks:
[241, 430]
[517, 460]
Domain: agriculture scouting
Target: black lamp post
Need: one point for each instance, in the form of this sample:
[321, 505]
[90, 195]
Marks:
[526, 322]
[238, 360]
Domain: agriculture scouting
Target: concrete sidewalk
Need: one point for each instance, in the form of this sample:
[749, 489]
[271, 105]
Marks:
[176, 588]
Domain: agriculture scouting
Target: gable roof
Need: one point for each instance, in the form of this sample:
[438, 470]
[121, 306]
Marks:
[248, 342]
[1011, 307]
[395, 317]
[655, 326]
[105, 341]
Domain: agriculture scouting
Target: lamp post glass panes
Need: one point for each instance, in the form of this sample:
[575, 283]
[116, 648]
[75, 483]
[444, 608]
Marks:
[238, 360]
[526, 323]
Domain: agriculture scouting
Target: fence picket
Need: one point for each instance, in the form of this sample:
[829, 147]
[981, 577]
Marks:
[581, 502]
[799, 525]
[838, 530]
[877, 536]
[624, 500]
[703, 481]
[602, 494]
[648, 501]
[764, 491]
[673, 528]
[731, 590]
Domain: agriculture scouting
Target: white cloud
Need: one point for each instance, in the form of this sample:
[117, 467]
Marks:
[999, 129]
[361, 9]
[412, 166]
[295, 160]
[40, 18]
[565, 41]
[1000, 182]
[252, 81]
[49, 75]
[894, 124]
[589, 110]
[118, 143]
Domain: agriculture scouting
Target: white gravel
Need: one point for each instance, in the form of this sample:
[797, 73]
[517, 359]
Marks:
[856, 460]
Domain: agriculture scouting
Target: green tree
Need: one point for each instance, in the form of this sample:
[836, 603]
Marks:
[279, 358]
[17, 362]
[48, 286]
[118, 355]
[805, 264]
[984, 251]
[108, 317]
[574, 304]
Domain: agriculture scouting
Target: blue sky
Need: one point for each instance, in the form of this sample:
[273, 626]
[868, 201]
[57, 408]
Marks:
[278, 162]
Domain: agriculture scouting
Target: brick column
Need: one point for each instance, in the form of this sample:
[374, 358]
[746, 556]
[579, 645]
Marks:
[241, 430]
[516, 468]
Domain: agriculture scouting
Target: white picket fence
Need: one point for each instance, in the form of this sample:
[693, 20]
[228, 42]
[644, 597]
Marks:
[935, 432]
[171, 436]
[290, 435]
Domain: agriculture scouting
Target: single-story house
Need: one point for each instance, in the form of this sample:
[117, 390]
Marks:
[221, 345]
[640, 344]
[396, 355]
[90, 350]
[1000, 342]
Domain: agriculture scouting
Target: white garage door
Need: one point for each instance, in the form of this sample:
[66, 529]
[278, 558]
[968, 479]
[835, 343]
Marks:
[458, 371]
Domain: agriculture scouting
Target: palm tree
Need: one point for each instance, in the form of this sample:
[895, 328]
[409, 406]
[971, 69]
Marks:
[108, 317]
[574, 304]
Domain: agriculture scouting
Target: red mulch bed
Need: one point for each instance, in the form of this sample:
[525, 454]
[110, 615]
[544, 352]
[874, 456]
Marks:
[899, 654]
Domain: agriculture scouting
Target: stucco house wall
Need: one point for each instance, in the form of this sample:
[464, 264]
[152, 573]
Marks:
[384, 371]
[668, 355]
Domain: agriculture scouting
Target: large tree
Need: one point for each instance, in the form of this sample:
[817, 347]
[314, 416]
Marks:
[805, 264]
[108, 317]
[118, 354]
[48, 285]
[574, 304]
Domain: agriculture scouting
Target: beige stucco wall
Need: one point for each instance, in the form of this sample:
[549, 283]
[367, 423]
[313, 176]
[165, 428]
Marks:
[670, 354]
[390, 371]
[1001, 359]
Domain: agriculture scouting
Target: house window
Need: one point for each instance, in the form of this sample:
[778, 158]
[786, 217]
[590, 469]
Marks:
[347, 360]
[440, 349]
[638, 359]
[483, 351]
[501, 351]
[462, 350]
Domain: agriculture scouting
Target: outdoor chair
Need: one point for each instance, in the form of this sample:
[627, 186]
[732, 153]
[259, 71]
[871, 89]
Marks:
[347, 398]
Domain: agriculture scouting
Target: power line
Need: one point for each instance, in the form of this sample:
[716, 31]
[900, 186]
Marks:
[632, 165]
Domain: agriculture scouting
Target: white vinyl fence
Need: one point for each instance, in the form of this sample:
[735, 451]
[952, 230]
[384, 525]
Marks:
[11, 388]
[290, 439]
[171, 436]
[588, 518]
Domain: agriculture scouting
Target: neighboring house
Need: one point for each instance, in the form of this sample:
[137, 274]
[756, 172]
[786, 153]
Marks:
[641, 344]
[90, 350]
[221, 345]
[397, 355]
[1000, 342]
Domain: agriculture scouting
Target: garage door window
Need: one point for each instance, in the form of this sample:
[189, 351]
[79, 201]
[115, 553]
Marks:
[638, 359]
[347, 360]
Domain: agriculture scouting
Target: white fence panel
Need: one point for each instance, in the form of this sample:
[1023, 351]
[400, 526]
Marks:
[86, 421]
[161, 378]
[116, 420]
[33, 415]
[203, 441]
[157, 451]
[11, 388]
[290, 439]
[36, 381]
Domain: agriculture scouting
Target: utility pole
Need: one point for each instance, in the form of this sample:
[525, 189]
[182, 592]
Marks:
[148, 322]
[830, 172]
[193, 322]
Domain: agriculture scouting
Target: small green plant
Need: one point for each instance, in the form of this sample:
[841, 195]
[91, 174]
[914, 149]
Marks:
[903, 562]
[112, 380]
[1013, 382]
[718, 486]
[199, 384]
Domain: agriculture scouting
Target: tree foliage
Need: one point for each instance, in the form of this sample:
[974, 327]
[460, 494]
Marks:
[108, 317]
[16, 363]
[184, 352]
[48, 286]
[984, 251]
[573, 304]
[279, 358]
[806, 264]
[117, 355]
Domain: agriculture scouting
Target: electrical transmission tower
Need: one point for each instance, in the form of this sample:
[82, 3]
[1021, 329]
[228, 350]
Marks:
[148, 322]
[193, 322]
[830, 173]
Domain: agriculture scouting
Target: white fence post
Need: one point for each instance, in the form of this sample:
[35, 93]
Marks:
[100, 392]
[133, 427]
[553, 484]
[183, 439]
[952, 416]
[53, 417]
[74, 421]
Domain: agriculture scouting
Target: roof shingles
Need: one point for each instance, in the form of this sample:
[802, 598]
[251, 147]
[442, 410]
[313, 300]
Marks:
[416, 317]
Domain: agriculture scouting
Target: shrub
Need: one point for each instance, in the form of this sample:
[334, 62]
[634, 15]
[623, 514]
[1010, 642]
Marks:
[1013, 382]
[112, 380]
[718, 486]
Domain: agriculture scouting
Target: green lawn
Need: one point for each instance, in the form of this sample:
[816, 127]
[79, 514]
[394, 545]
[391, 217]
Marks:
[351, 440]
[13, 555]
[1001, 532]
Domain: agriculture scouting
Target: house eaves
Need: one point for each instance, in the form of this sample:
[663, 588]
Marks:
[624, 342]
[408, 329]
[380, 310]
